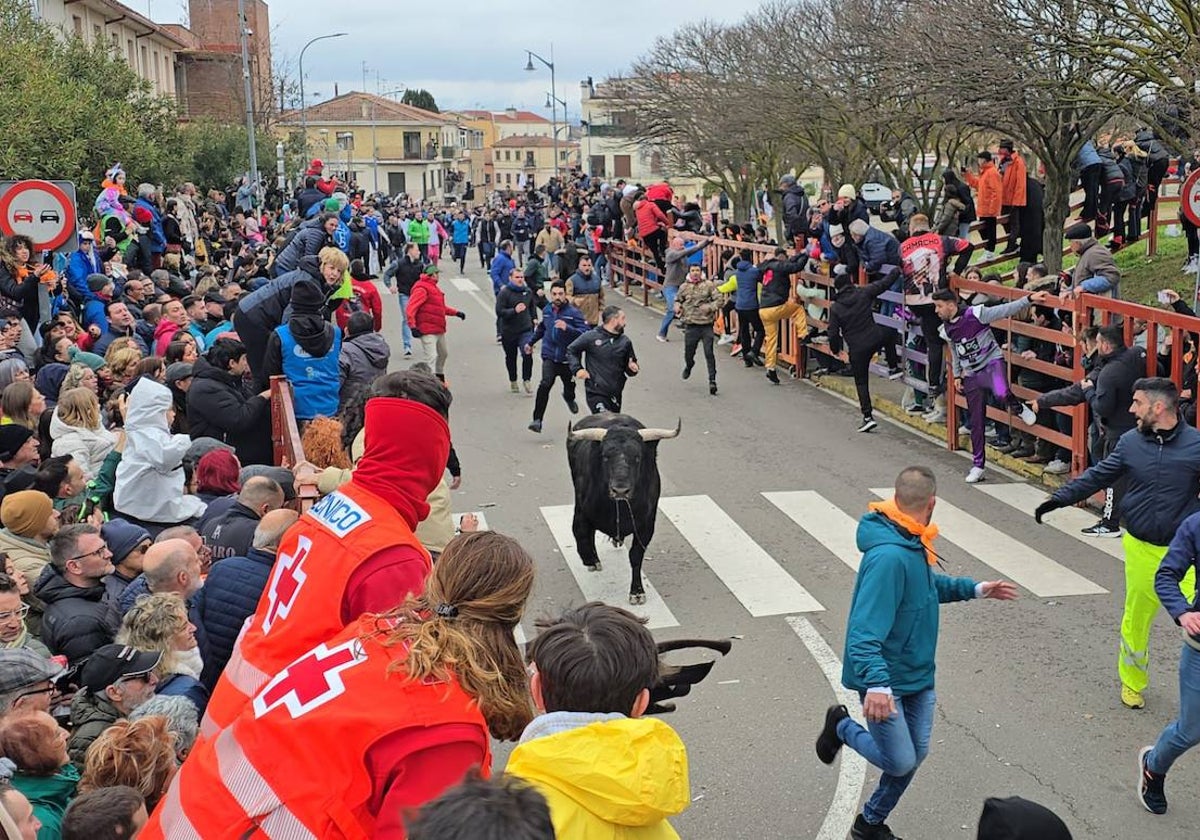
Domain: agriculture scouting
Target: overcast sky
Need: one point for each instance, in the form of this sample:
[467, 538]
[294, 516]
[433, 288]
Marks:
[471, 53]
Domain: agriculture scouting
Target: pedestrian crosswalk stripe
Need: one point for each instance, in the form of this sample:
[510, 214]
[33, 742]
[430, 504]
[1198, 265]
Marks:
[824, 521]
[1010, 557]
[518, 631]
[1069, 520]
[463, 284]
[752, 575]
[611, 583]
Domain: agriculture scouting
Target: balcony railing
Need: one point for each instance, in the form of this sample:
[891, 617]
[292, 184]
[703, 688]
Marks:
[449, 152]
[608, 131]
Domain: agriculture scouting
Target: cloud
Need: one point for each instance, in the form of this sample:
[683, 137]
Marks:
[471, 53]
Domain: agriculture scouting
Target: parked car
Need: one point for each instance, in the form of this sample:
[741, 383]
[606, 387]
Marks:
[874, 194]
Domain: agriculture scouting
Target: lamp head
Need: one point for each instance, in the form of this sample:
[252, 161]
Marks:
[529, 68]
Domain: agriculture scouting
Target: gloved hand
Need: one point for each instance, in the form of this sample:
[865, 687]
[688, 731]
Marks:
[1044, 508]
[460, 315]
[416, 333]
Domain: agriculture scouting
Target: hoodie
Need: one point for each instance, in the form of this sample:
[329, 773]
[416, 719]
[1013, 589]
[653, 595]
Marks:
[892, 629]
[150, 479]
[164, 334]
[363, 358]
[605, 777]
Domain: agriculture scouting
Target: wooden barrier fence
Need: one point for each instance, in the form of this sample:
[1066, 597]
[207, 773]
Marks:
[285, 442]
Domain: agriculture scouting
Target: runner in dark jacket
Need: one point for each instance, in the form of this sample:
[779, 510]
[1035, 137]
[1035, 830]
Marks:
[607, 361]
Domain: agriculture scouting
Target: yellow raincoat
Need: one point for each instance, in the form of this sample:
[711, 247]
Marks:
[611, 780]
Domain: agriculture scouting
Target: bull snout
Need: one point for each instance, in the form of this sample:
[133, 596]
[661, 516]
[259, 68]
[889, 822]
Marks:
[620, 492]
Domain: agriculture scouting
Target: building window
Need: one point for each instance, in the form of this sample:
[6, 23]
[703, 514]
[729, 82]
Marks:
[77, 22]
[562, 155]
[621, 166]
[497, 154]
[157, 78]
[507, 154]
[144, 70]
[130, 53]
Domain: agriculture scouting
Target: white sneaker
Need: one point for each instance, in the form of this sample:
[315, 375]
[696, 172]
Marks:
[1057, 467]
[975, 475]
[963, 428]
[1191, 265]
[988, 256]
[725, 339]
[1027, 415]
[937, 415]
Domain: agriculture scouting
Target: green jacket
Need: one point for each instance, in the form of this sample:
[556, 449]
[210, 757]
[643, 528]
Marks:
[91, 714]
[49, 796]
[418, 232]
[892, 629]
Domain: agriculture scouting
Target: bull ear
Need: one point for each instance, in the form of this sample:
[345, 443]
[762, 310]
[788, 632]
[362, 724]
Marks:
[585, 434]
[661, 434]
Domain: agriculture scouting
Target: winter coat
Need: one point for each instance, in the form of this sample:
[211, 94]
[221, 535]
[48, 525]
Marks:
[49, 796]
[363, 359]
[266, 307]
[1033, 221]
[698, 302]
[100, 346]
[1149, 144]
[990, 197]
[364, 297]
[185, 685]
[608, 358]
[777, 289]
[1163, 469]
[91, 714]
[77, 619]
[232, 533]
[795, 211]
[586, 292]
[878, 249]
[513, 323]
[1097, 261]
[852, 317]
[427, 307]
[1129, 187]
[88, 447]
[650, 218]
[19, 291]
[229, 596]
[1112, 392]
[948, 217]
[606, 777]
[158, 238]
[308, 241]
[554, 347]
[502, 266]
[220, 405]
[150, 479]
[892, 635]
[748, 277]
[79, 268]
[1012, 191]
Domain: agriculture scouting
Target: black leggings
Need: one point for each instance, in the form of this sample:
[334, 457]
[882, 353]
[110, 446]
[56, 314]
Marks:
[750, 333]
[860, 367]
[514, 345]
[727, 311]
[930, 324]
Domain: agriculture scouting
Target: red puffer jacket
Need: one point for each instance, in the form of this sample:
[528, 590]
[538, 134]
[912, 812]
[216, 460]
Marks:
[649, 218]
[427, 309]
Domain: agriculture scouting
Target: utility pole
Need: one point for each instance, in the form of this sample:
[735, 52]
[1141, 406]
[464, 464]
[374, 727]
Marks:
[246, 86]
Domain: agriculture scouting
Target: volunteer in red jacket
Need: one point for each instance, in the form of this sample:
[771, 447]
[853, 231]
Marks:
[354, 551]
[427, 313]
[375, 721]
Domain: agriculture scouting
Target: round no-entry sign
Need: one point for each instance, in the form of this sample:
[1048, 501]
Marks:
[41, 210]
[1189, 197]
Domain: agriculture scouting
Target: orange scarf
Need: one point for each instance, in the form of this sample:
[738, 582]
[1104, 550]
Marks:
[927, 533]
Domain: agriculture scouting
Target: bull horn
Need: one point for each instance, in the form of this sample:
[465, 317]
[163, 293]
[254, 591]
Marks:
[585, 434]
[660, 434]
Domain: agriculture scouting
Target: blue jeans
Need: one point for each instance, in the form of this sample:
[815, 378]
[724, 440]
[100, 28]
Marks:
[406, 333]
[964, 230]
[669, 293]
[1183, 733]
[897, 747]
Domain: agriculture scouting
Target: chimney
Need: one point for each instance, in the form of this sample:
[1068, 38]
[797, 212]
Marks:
[366, 110]
[511, 112]
[585, 90]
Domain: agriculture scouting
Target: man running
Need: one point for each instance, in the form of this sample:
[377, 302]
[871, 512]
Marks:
[609, 361]
[697, 303]
[561, 324]
[891, 644]
[978, 362]
[1162, 463]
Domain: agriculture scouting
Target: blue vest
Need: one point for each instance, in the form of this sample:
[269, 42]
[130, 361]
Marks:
[315, 381]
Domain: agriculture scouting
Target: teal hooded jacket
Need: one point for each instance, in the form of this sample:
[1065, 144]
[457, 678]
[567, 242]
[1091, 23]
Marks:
[892, 631]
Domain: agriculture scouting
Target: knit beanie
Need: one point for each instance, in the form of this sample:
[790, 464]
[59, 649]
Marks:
[96, 282]
[122, 537]
[847, 191]
[331, 205]
[25, 513]
[1019, 819]
[307, 298]
[82, 357]
[12, 438]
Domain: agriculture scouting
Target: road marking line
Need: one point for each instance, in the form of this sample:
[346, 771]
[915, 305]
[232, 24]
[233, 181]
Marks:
[1011, 557]
[518, 631]
[464, 284]
[853, 770]
[824, 521]
[1069, 520]
[752, 575]
[611, 583]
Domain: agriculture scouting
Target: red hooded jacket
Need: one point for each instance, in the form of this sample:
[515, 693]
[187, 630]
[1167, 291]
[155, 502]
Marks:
[427, 309]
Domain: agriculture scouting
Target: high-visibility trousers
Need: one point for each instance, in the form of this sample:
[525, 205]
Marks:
[1142, 560]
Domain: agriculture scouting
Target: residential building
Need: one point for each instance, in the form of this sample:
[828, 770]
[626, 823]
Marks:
[512, 122]
[150, 49]
[386, 146]
[519, 158]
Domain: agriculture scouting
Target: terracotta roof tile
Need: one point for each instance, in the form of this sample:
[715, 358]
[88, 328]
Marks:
[349, 108]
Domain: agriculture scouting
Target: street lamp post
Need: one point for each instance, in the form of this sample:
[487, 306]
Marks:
[303, 101]
[243, 35]
[551, 99]
[554, 102]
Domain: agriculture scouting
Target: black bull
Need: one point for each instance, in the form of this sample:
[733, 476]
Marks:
[614, 467]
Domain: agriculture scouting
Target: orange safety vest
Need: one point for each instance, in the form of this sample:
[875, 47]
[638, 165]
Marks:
[302, 603]
[292, 764]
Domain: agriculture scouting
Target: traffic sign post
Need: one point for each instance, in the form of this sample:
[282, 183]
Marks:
[42, 210]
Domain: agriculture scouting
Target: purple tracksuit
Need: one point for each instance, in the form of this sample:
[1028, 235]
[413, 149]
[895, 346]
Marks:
[977, 358]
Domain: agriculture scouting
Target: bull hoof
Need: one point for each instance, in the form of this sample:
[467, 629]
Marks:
[637, 598]
[594, 568]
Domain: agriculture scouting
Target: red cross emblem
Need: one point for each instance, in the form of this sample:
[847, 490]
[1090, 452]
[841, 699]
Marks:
[310, 681]
[288, 579]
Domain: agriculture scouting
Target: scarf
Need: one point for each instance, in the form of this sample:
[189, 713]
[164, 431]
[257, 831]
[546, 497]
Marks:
[17, 642]
[927, 533]
[188, 662]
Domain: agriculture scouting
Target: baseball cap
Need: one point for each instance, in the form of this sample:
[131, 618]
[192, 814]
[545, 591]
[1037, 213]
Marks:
[86, 236]
[21, 668]
[114, 662]
[214, 297]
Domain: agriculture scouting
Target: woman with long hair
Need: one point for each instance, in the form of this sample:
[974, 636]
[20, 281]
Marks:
[418, 691]
[13, 370]
[77, 429]
[20, 278]
[159, 622]
[140, 755]
[22, 404]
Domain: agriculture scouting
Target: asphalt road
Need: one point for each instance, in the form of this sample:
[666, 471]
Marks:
[1027, 692]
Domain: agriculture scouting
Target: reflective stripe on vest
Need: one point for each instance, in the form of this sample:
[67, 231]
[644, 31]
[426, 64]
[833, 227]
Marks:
[172, 820]
[243, 677]
[315, 380]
